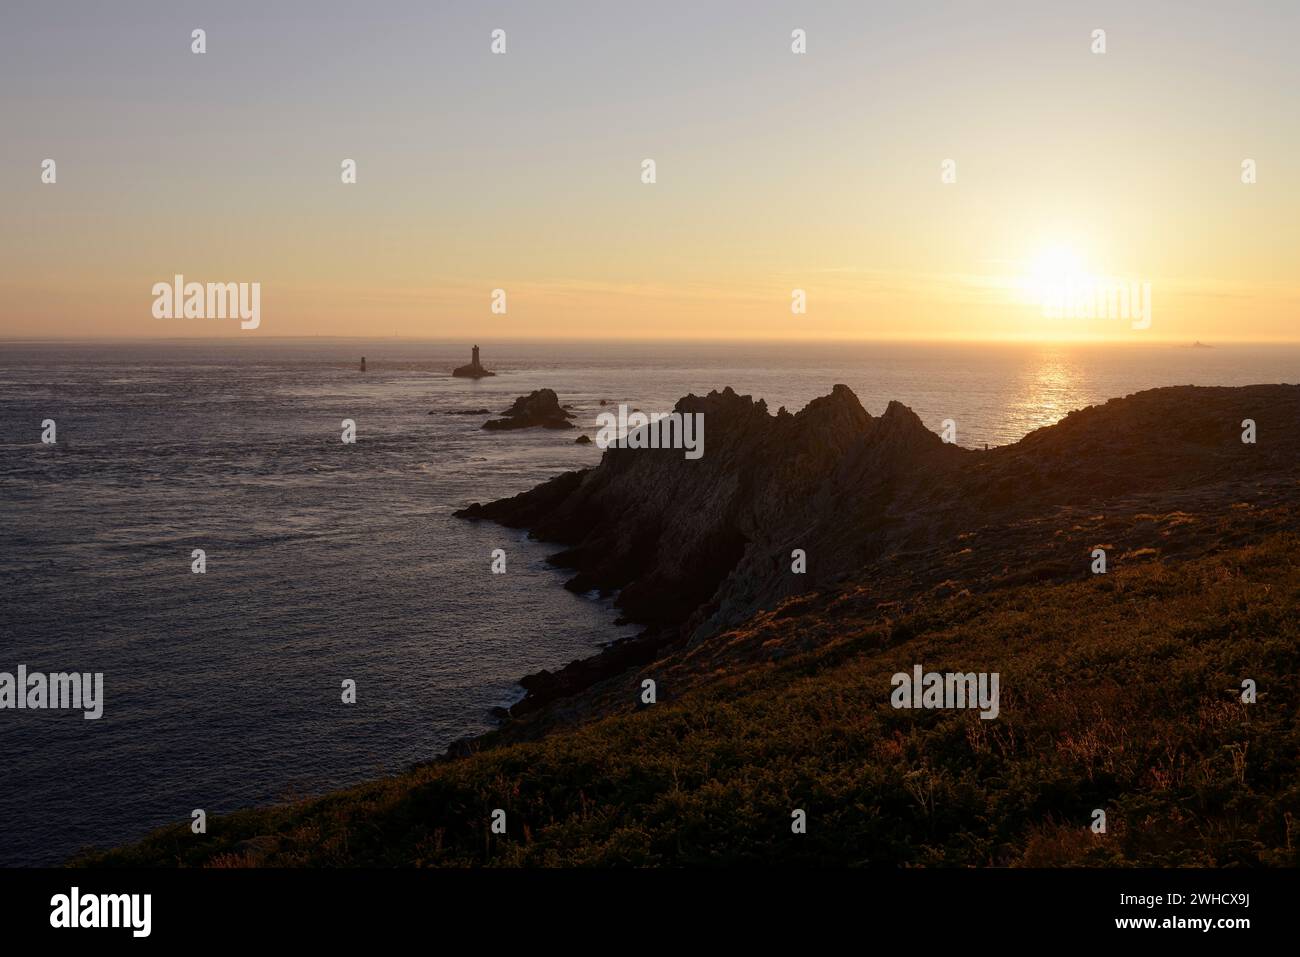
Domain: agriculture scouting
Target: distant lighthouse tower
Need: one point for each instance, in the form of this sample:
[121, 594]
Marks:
[363, 363]
[474, 370]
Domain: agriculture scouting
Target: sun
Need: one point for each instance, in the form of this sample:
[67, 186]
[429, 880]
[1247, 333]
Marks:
[1054, 266]
[1052, 273]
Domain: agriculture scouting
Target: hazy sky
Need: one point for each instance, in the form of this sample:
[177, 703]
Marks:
[775, 171]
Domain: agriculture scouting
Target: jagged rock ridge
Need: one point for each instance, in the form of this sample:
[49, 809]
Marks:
[696, 546]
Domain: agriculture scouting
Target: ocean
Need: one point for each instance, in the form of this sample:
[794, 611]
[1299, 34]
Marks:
[329, 562]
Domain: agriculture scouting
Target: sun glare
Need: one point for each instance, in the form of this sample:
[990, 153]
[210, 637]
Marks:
[1051, 273]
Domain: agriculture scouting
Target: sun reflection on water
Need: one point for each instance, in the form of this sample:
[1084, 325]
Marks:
[1048, 391]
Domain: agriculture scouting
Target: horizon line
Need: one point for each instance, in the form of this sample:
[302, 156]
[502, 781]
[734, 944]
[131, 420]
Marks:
[617, 340]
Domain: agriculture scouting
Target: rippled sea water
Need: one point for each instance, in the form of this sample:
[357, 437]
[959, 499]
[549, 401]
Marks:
[329, 562]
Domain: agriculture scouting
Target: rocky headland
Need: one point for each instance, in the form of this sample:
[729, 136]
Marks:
[694, 547]
[781, 580]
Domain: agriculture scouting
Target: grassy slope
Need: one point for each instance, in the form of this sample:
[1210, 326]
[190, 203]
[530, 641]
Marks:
[1120, 692]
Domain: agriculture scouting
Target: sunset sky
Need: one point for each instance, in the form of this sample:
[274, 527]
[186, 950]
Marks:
[775, 171]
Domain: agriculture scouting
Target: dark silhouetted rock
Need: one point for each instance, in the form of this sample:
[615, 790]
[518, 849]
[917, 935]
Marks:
[582, 440]
[695, 547]
[540, 409]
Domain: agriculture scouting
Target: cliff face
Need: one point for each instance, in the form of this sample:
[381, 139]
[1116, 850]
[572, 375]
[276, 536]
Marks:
[696, 546]
[668, 531]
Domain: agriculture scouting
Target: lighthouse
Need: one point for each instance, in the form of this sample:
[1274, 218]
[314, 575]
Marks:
[475, 368]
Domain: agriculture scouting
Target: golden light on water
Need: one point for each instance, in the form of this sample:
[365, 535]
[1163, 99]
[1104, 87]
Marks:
[1049, 392]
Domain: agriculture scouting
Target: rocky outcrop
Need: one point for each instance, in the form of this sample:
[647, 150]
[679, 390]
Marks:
[540, 409]
[667, 532]
[696, 546]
